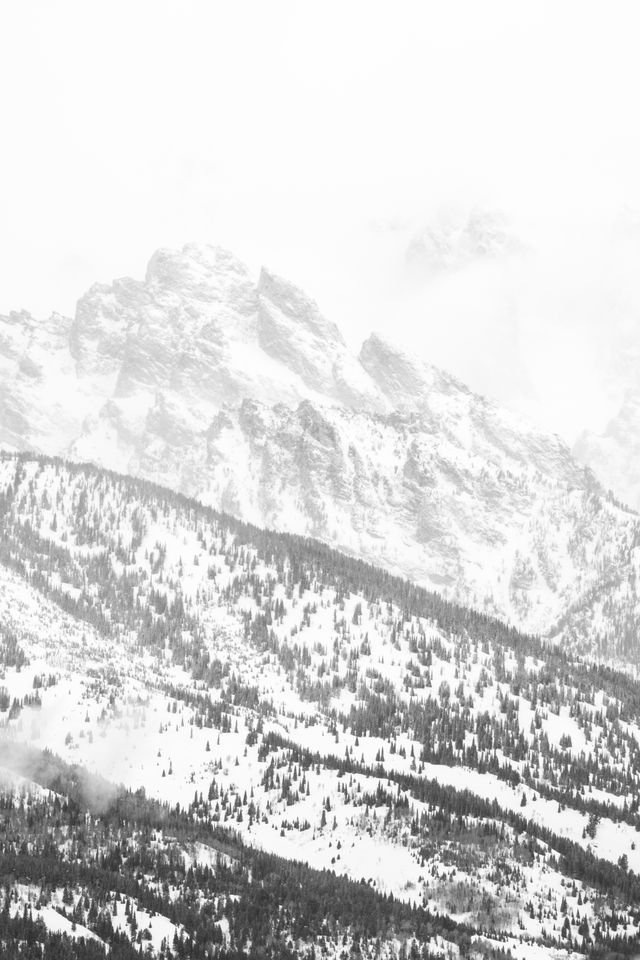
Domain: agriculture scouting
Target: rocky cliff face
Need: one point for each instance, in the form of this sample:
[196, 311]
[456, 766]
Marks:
[242, 394]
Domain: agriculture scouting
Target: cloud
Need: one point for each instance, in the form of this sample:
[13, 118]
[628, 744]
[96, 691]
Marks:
[284, 131]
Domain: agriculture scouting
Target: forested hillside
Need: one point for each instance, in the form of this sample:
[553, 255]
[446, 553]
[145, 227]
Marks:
[267, 716]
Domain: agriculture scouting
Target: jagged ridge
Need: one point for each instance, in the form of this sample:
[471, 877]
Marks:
[239, 392]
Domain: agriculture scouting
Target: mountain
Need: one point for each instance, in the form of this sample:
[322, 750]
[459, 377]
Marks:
[614, 453]
[240, 393]
[224, 741]
[459, 237]
[197, 333]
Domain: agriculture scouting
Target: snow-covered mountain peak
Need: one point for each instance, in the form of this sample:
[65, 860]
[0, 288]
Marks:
[99, 328]
[458, 237]
[296, 306]
[204, 273]
[293, 331]
[18, 318]
[406, 381]
[241, 393]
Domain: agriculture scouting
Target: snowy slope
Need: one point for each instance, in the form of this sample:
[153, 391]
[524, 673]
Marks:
[615, 452]
[315, 707]
[239, 392]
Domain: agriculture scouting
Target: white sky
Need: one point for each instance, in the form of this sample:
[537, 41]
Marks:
[318, 138]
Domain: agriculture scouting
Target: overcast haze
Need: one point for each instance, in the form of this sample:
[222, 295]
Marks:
[322, 140]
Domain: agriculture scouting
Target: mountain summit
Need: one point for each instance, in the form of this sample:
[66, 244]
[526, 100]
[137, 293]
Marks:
[241, 393]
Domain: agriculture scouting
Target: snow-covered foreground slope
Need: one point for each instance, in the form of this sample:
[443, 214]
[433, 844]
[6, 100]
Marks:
[319, 709]
[240, 393]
